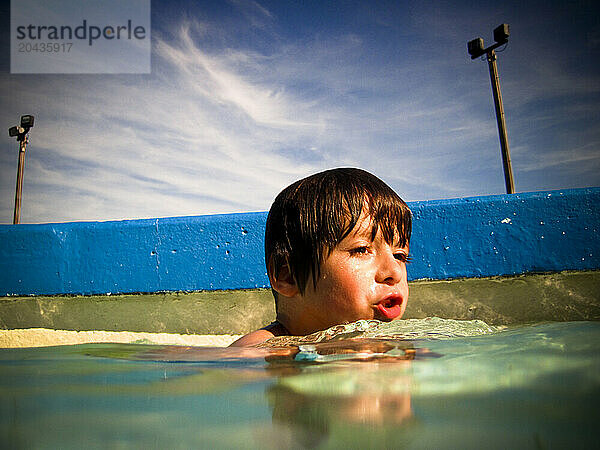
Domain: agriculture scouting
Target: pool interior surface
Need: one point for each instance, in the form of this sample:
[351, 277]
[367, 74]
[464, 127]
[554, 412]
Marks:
[511, 300]
[534, 386]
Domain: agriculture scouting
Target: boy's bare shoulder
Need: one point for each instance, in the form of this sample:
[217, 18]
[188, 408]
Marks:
[256, 337]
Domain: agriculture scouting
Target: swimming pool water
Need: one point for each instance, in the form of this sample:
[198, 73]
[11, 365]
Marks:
[528, 387]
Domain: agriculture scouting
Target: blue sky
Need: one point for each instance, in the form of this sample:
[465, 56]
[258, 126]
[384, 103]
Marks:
[245, 97]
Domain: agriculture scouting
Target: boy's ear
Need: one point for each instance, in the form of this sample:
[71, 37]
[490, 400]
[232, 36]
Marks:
[284, 282]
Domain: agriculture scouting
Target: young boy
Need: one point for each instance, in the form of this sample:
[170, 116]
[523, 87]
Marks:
[336, 249]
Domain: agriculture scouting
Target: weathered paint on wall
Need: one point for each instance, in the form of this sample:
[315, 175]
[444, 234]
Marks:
[467, 237]
[169, 254]
[506, 234]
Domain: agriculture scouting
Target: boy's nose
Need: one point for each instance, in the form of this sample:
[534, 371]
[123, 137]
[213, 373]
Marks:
[390, 270]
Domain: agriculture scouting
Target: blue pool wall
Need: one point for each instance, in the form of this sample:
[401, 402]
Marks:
[457, 238]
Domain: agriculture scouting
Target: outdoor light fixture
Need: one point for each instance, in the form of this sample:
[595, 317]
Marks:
[20, 132]
[476, 49]
[27, 122]
[501, 34]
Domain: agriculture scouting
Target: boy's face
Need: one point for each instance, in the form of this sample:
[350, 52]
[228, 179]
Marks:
[360, 279]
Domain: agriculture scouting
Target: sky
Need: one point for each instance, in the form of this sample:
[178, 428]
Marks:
[245, 97]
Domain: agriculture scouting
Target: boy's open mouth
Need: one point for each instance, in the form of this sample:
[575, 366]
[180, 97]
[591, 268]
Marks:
[390, 307]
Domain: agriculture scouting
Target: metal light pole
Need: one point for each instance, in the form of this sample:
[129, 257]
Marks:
[475, 49]
[21, 133]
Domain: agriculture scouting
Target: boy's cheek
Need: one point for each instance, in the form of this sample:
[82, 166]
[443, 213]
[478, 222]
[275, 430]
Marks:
[404, 303]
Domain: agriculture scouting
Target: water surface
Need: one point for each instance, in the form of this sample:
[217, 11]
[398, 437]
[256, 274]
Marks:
[461, 386]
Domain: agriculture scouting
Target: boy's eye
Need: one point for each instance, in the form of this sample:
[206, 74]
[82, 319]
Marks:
[403, 257]
[359, 250]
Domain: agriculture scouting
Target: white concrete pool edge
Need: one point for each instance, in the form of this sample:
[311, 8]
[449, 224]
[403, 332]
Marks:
[45, 337]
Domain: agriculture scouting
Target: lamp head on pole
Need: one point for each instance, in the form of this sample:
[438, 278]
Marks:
[501, 33]
[20, 131]
[476, 49]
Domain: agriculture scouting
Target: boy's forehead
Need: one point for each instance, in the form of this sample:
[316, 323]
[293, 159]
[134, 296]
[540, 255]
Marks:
[364, 225]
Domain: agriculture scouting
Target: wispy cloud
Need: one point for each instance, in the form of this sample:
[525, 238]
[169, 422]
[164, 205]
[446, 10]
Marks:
[222, 126]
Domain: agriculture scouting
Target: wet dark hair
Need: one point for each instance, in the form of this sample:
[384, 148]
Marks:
[313, 215]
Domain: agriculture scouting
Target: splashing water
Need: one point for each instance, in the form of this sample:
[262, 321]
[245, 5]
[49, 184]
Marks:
[429, 328]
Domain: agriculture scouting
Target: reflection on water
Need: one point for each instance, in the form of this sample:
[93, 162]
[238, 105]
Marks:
[528, 387]
[310, 406]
